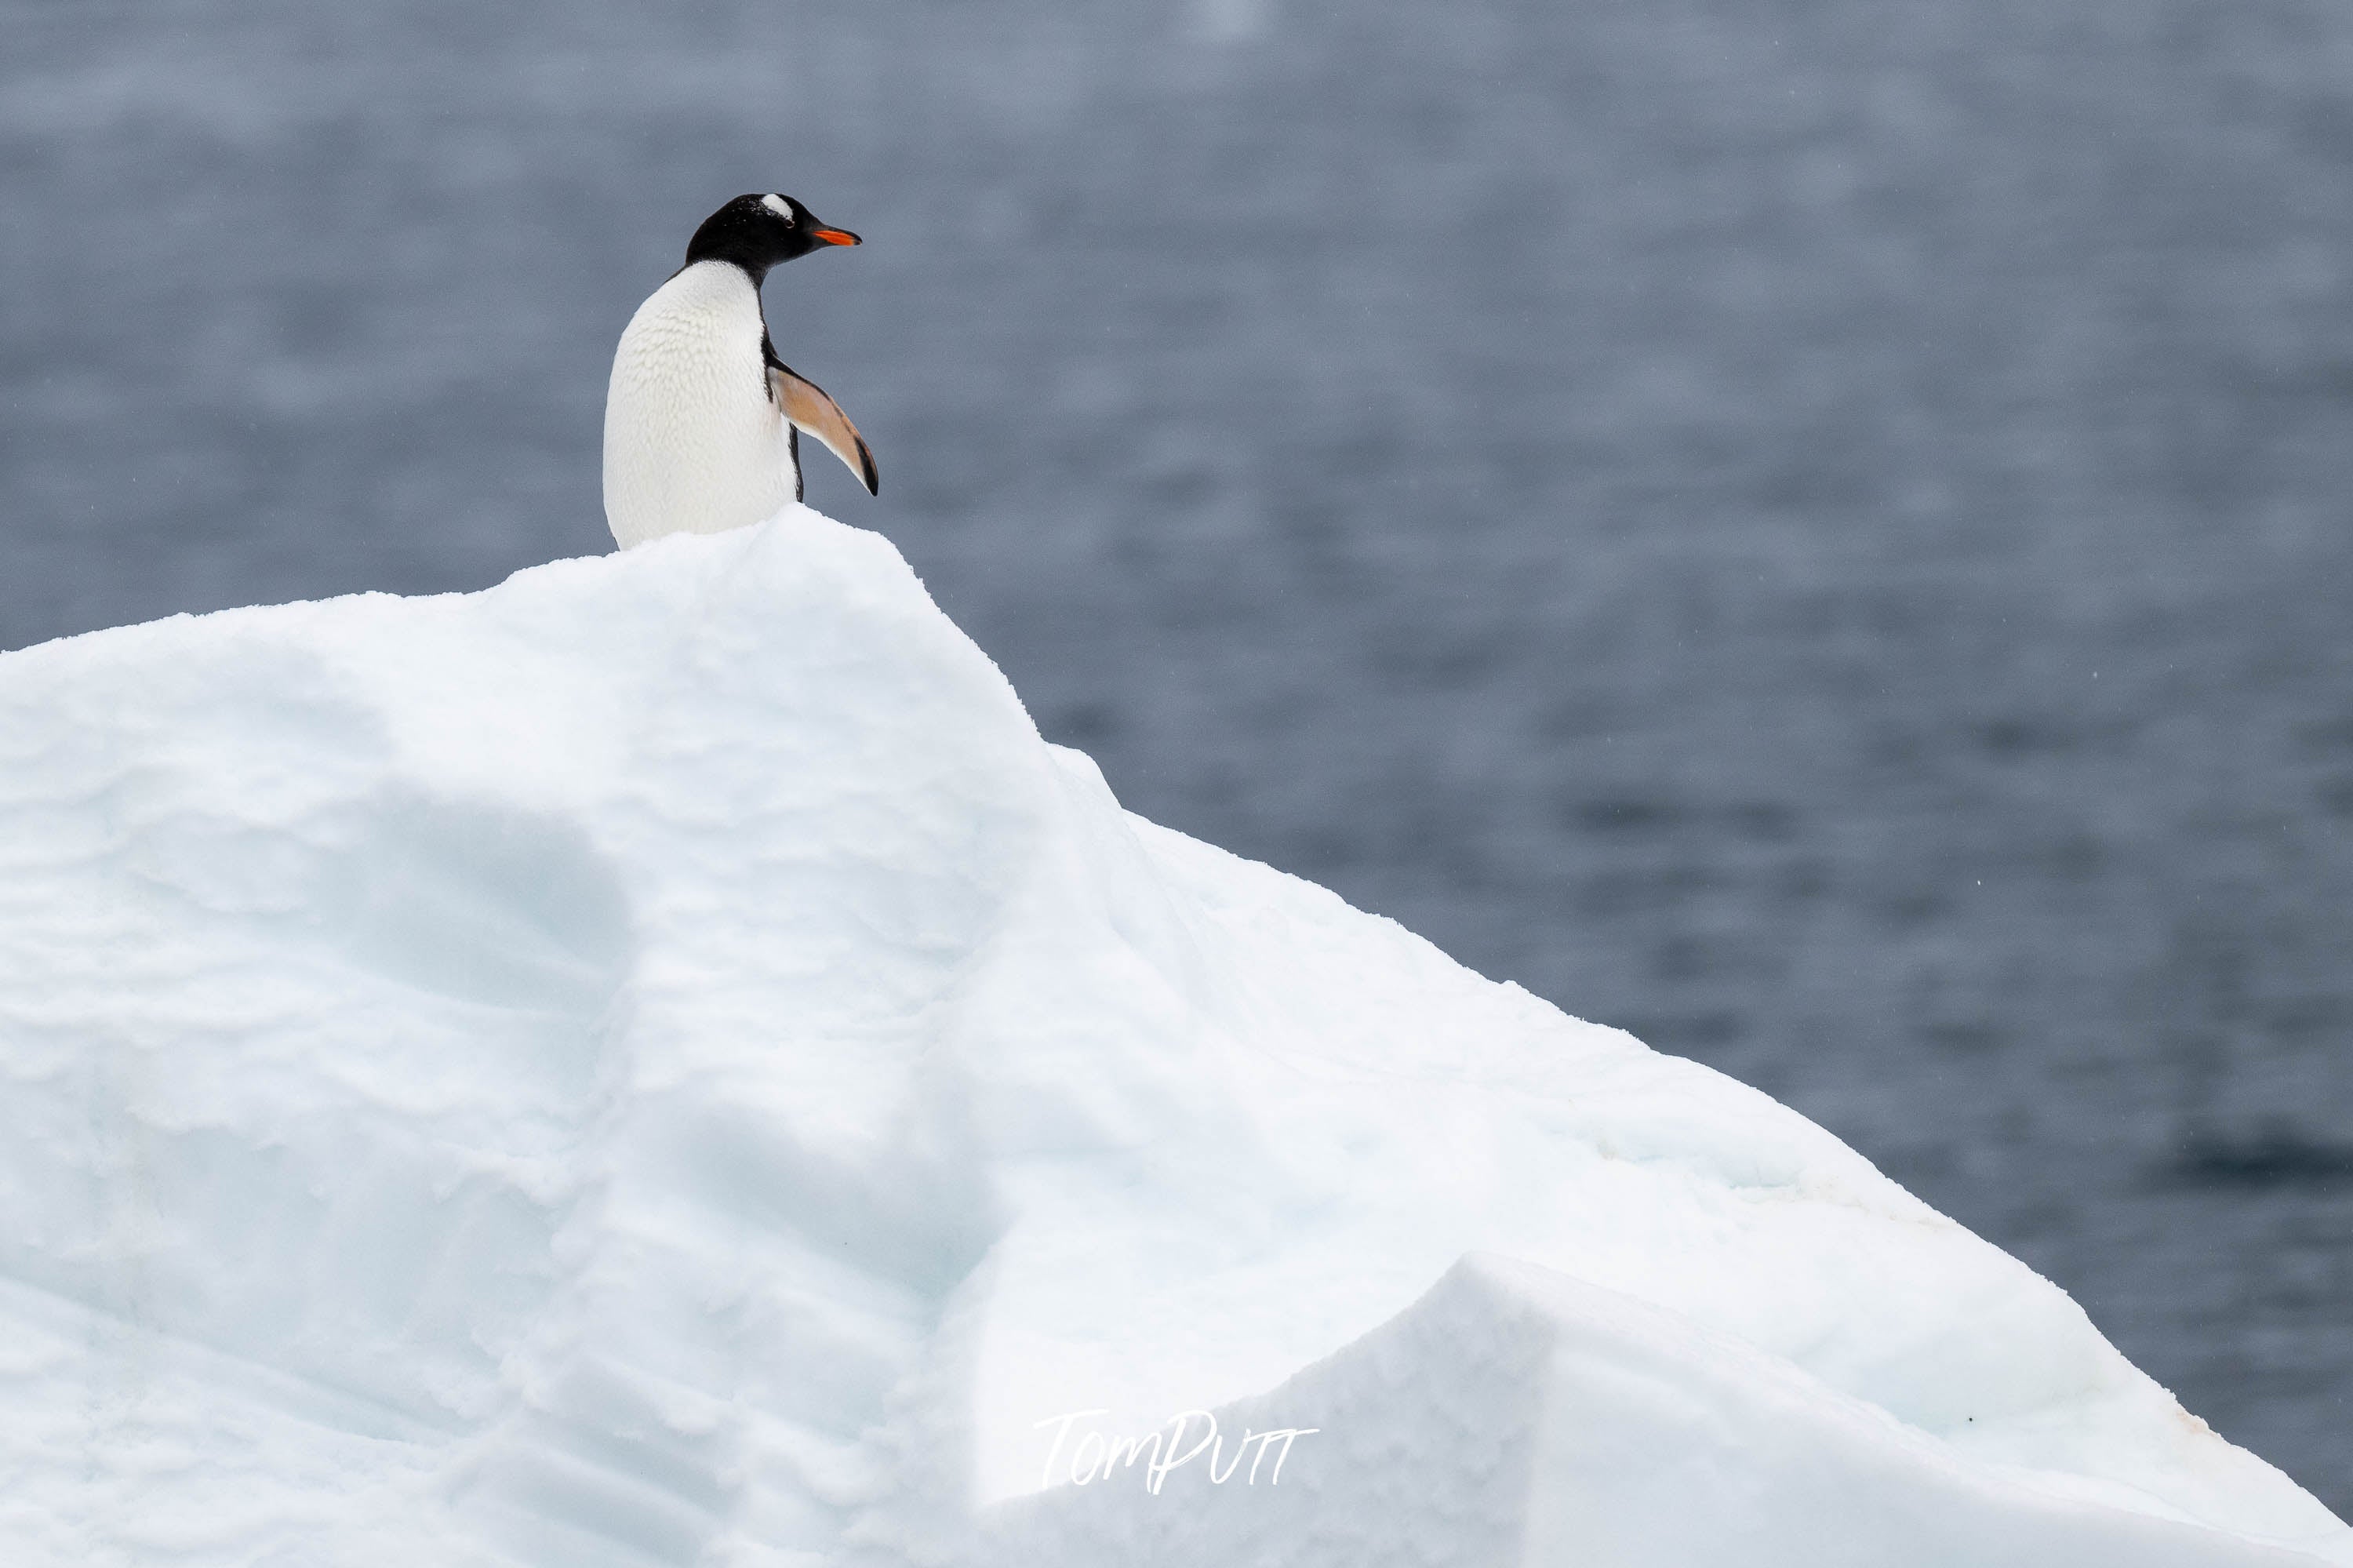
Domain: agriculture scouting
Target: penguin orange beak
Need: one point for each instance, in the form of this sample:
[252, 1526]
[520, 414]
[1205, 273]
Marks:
[834, 235]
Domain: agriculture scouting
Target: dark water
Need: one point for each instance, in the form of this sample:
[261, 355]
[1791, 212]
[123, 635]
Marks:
[1814, 530]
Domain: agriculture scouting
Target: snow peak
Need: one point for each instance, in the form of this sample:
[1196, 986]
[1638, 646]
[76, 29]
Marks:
[1095, 1456]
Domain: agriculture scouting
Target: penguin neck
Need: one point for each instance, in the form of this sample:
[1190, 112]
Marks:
[711, 284]
[732, 251]
[757, 271]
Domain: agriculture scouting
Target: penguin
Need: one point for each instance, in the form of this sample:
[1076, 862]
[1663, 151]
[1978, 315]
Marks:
[703, 421]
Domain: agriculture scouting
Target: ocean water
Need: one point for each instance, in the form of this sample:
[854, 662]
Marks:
[1817, 532]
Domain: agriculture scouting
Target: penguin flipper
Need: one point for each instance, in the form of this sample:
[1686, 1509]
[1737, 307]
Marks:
[806, 405]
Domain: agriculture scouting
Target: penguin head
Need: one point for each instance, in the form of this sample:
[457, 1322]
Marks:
[755, 232]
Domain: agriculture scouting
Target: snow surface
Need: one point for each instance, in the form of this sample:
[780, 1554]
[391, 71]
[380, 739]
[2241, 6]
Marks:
[658, 1062]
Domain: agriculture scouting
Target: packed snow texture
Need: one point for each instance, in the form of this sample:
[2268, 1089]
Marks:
[658, 1062]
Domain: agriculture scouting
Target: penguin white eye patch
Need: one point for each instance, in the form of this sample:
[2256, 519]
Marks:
[781, 208]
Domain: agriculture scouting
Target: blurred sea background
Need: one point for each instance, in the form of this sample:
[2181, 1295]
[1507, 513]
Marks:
[1814, 531]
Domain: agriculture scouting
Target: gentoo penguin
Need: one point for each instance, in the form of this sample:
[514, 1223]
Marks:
[703, 421]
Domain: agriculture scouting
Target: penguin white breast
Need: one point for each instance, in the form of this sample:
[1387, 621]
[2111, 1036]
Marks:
[693, 442]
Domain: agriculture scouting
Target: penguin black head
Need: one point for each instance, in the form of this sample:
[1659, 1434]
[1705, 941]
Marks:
[755, 232]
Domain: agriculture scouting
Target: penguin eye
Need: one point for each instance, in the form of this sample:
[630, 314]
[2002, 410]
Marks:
[781, 206]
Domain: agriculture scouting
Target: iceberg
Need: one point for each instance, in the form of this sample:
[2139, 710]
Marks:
[659, 1062]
